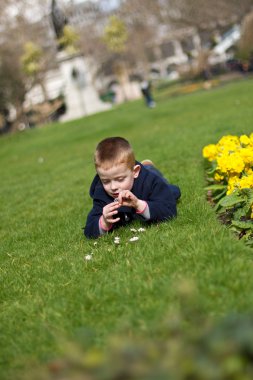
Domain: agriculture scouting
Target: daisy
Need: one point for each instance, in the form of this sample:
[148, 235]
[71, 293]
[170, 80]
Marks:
[134, 238]
[116, 240]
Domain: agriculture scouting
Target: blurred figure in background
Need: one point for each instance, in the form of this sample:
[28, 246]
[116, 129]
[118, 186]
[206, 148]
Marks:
[146, 91]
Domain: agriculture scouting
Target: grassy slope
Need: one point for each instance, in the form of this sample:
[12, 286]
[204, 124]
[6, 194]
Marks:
[49, 290]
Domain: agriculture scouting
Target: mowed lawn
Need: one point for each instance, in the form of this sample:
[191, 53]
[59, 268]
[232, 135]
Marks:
[49, 291]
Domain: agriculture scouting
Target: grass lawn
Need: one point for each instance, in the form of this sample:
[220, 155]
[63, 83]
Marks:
[49, 291]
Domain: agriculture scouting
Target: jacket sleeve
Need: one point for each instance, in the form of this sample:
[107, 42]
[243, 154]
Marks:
[161, 202]
[91, 229]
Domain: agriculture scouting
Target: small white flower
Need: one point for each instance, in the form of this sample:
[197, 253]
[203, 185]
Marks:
[88, 257]
[95, 243]
[133, 230]
[142, 229]
[116, 240]
[134, 238]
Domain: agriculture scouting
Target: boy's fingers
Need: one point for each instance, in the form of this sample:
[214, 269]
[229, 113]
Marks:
[112, 212]
[112, 220]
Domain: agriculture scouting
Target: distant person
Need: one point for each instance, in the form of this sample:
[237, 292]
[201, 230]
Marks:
[146, 91]
[6, 121]
[124, 190]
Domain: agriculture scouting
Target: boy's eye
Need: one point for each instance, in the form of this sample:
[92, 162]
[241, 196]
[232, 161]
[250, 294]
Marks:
[120, 179]
[105, 181]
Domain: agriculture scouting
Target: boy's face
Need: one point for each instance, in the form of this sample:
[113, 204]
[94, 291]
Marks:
[118, 178]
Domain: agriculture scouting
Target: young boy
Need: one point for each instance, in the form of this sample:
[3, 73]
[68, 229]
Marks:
[125, 189]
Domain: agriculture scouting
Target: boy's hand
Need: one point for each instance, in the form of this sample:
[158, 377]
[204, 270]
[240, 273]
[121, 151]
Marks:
[127, 198]
[108, 212]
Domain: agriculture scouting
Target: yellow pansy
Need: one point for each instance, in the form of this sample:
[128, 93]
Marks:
[247, 155]
[248, 171]
[210, 152]
[218, 177]
[230, 164]
[244, 140]
[233, 183]
[228, 144]
[251, 139]
[246, 182]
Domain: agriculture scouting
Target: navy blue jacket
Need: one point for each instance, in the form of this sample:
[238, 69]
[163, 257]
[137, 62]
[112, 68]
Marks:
[148, 186]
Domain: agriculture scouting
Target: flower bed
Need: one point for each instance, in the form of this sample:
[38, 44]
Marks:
[229, 174]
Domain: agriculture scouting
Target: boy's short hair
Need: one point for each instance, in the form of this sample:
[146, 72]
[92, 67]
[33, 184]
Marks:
[114, 151]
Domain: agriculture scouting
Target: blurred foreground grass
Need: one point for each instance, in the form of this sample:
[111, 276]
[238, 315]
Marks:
[185, 346]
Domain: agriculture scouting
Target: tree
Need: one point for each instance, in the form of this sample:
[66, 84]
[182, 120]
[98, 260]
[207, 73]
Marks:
[162, 19]
[33, 65]
[69, 39]
[115, 35]
[245, 46]
[19, 20]
[203, 14]
[12, 86]
[142, 23]
[207, 17]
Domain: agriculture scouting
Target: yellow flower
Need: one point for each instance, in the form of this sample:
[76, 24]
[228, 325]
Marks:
[218, 177]
[244, 140]
[230, 164]
[251, 139]
[210, 152]
[247, 155]
[234, 157]
[246, 182]
[233, 183]
[228, 144]
[248, 171]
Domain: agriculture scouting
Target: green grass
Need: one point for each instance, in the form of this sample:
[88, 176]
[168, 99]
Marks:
[48, 289]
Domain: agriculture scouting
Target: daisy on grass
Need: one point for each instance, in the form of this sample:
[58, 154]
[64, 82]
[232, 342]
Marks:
[88, 257]
[141, 229]
[135, 238]
[116, 240]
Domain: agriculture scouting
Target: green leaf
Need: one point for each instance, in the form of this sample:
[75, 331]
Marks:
[239, 213]
[231, 200]
[243, 225]
[249, 242]
[249, 199]
[216, 187]
[219, 195]
[211, 171]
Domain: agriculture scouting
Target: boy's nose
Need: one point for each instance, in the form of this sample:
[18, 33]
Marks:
[114, 185]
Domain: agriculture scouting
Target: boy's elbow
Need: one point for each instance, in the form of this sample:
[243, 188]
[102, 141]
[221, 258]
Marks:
[174, 212]
[171, 213]
[87, 234]
[162, 212]
[90, 233]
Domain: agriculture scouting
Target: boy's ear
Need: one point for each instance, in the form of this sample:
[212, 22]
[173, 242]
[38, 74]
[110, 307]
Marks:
[137, 169]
